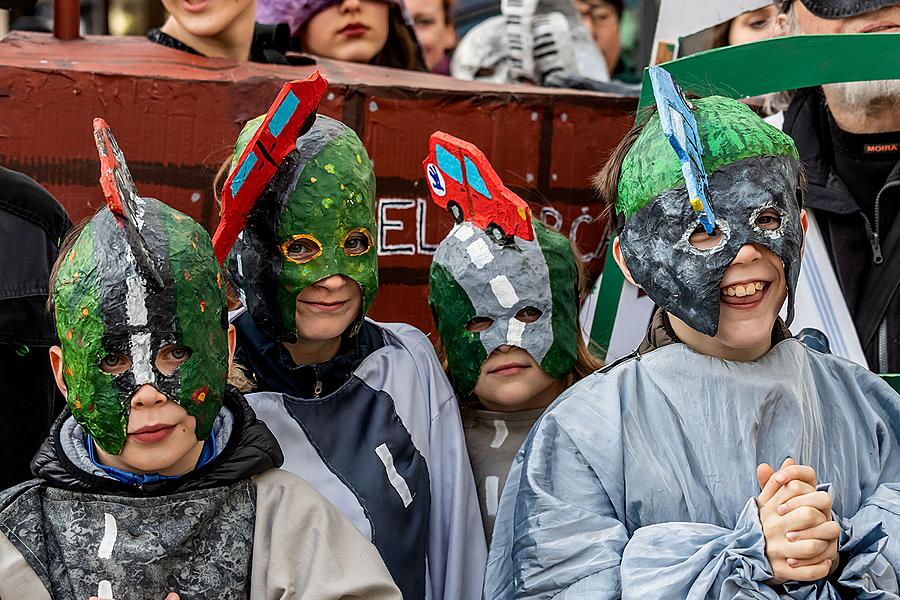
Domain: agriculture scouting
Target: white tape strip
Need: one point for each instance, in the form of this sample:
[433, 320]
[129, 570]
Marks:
[491, 494]
[142, 358]
[479, 253]
[514, 332]
[462, 232]
[500, 433]
[393, 476]
[110, 532]
[104, 590]
[504, 291]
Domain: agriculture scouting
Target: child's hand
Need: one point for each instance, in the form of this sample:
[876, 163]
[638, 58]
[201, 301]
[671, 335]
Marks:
[801, 538]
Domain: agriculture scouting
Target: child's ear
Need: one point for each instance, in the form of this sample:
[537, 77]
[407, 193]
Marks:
[620, 260]
[56, 363]
[804, 224]
[232, 342]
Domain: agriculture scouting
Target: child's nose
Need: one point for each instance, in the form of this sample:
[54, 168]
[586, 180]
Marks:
[747, 254]
[147, 396]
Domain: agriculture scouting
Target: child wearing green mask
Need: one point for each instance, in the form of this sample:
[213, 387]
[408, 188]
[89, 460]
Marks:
[159, 481]
[654, 478]
[507, 314]
[361, 409]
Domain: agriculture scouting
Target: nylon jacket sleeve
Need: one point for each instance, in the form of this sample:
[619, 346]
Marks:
[304, 548]
[457, 550]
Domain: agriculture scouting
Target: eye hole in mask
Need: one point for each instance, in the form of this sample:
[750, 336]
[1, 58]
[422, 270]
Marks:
[301, 248]
[696, 241]
[168, 359]
[529, 314]
[357, 242]
[769, 221]
[479, 324]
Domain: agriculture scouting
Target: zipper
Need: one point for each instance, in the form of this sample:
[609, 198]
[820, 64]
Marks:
[877, 258]
[317, 390]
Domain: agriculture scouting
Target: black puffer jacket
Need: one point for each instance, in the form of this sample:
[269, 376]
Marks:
[251, 450]
[860, 247]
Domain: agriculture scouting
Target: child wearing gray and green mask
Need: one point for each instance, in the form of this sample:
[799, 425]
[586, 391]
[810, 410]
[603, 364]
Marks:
[654, 477]
[362, 409]
[159, 481]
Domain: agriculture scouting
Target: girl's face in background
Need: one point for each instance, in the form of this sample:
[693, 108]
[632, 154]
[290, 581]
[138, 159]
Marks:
[353, 30]
[208, 18]
[510, 380]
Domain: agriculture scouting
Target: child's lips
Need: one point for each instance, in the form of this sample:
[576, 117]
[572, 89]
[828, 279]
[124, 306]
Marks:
[508, 370]
[325, 306]
[152, 433]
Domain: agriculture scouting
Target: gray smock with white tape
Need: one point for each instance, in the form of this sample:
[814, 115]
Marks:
[640, 481]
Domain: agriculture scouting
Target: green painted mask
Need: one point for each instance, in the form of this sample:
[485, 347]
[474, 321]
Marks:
[106, 305]
[473, 276]
[315, 219]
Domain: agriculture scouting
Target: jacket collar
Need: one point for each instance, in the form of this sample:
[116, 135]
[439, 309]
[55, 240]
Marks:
[251, 449]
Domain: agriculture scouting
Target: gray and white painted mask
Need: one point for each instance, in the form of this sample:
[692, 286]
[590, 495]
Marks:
[474, 277]
[685, 280]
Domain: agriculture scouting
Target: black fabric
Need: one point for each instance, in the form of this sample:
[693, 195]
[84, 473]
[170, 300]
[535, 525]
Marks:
[345, 429]
[270, 43]
[270, 366]
[251, 450]
[32, 224]
[855, 242]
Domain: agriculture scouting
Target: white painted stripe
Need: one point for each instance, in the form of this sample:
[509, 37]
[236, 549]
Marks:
[136, 300]
[240, 265]
[479, 253]
[110, 532]
[142, 358]
[500, 433]
[104, 590]
[393, 476]
[491, 494]
[514, 332]
[504, 291]
[462, 232]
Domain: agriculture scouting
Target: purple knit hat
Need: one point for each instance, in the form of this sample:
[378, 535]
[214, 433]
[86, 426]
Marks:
[296, 13]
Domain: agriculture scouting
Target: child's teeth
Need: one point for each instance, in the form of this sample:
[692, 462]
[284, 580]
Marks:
[743, 290]
[759, 285]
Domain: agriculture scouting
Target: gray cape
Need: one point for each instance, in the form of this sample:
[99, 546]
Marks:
[640, 481]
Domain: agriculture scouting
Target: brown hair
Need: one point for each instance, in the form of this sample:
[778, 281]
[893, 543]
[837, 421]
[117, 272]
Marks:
[401, 50]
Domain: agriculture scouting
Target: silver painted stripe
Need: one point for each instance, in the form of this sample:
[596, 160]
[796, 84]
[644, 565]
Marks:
[491, 494]
[110, 532]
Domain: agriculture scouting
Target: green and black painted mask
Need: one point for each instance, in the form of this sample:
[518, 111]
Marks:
[108, 301]
[315, 219]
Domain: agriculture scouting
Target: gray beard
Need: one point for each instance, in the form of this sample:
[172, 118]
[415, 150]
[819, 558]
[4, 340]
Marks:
[863, 95]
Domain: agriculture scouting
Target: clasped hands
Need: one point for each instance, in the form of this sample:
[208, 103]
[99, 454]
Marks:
[801, 536]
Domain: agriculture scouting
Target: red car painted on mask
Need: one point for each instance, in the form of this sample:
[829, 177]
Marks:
[462, 180]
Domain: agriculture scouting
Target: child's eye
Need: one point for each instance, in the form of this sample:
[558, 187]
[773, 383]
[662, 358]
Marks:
[357, 242]
[301, 248]
[769, 220]
[115, 364]
[529, 314]
[479, 324]
[703, 241]
[170, 358]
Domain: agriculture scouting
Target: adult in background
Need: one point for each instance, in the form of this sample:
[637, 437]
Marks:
[433, 22]
[32, 223]
[848, 135]
[221, 29]
[363, 31]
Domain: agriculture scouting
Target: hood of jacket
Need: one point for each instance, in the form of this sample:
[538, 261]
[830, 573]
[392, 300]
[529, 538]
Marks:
[251, 449]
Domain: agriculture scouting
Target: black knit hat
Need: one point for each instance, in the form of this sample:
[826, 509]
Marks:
[840, 9]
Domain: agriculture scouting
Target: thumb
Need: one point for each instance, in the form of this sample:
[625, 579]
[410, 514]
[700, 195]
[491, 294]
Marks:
[787, 463]
[763, 473]
[172, 596]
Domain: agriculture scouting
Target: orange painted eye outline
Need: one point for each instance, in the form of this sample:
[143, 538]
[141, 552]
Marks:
[362, 230]
[300, 236]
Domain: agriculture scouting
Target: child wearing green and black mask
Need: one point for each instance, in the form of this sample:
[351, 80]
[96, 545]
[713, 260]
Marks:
[362, 409]
[159, 480]
[654, 478]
